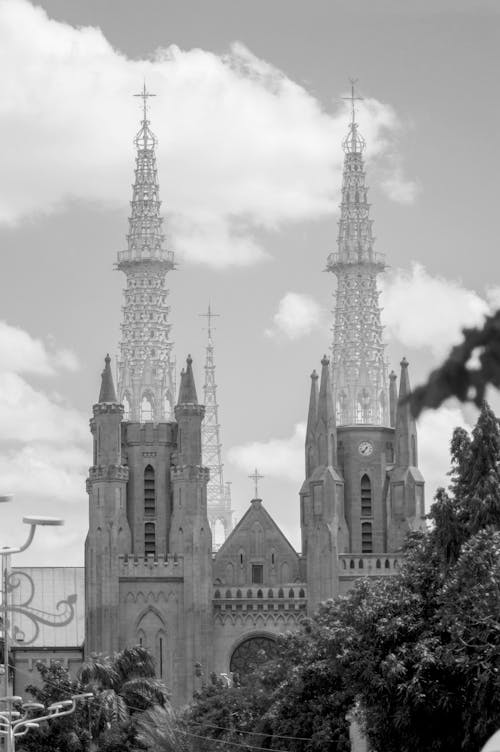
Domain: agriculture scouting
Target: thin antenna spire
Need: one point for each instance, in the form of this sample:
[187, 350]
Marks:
[209, 316]
[256, 477]
[218, 492]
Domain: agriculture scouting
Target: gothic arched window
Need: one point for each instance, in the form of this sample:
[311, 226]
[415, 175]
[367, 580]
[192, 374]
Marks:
[149, 539]
[366, 538]
[149, 492]
[146, 409]
[366, 497]
[251, 653]
[126, 407]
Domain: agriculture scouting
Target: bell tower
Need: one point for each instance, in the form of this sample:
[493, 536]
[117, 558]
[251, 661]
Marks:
[359, 435]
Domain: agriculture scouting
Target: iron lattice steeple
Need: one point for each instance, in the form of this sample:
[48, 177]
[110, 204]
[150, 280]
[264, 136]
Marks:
[218, 492]
[359, 370]
[146, 371]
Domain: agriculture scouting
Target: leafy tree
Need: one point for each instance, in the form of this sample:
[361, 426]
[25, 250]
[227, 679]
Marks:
[124, 685]
[160, 730]
[67, 734]
[227, 713]
[461, 375]
[419, 652]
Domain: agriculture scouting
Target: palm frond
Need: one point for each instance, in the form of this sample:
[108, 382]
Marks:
[159, 730]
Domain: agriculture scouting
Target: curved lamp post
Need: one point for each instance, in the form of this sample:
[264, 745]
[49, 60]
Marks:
[9, 718]
[16, 723]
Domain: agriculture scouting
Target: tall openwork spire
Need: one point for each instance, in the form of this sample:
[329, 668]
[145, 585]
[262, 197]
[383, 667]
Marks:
[218, 492]
[358, 364]
[146, 370]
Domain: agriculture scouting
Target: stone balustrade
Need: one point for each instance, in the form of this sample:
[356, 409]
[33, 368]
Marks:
[291, 597]
[368, 565]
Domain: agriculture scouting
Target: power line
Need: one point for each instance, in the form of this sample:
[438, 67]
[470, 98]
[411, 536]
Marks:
[198, 723]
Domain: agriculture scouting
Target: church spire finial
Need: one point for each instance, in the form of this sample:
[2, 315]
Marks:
[353, 143]
[107, 392]
[145, 136]
[187, 390]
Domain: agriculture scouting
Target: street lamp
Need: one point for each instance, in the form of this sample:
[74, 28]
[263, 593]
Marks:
[14, 723]
[6, 553]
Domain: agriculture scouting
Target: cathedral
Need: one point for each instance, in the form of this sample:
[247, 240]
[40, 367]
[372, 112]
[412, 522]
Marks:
[152, 574]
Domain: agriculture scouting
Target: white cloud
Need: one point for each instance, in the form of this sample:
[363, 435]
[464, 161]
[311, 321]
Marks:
[435, 429]
[425, 311]
[276, 458]
[27, 414]
[297, 315]
[46, 471]
[44, 444]
[22, 353]
[400, 189]
[241, 146]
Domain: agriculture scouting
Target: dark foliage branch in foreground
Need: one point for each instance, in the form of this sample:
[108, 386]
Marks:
[458, 376]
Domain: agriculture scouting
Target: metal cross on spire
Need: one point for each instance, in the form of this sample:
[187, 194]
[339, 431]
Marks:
[256, 477]
[145, 94]
[209, 316]
[353, 98]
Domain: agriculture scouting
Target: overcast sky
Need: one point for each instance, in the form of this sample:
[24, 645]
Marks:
[250, 118]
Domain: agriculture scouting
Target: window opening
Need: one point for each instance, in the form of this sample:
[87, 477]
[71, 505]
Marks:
[257, 574]
[366, 497]
[149, 539]
[149, 491]
[146, 410]
[366, 538]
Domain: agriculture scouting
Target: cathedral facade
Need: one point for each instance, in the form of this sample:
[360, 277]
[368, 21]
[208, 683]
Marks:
[152, 576]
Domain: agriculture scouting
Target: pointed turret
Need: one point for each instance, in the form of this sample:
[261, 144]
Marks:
[323, 526]
[107, 392]
[312, 418]
[406, 429]
[187, 390]
[325, 425]
[190, 535]
[107, 489]
[146, 370]
[189, 415]
[406, 501]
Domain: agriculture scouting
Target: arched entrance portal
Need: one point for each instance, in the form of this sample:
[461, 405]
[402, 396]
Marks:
[252, 653]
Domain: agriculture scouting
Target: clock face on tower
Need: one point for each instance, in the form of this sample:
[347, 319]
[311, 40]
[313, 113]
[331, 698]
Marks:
[365, 448]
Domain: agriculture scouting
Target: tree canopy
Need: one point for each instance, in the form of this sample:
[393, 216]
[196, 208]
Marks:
[124, 688]
[417, 654]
